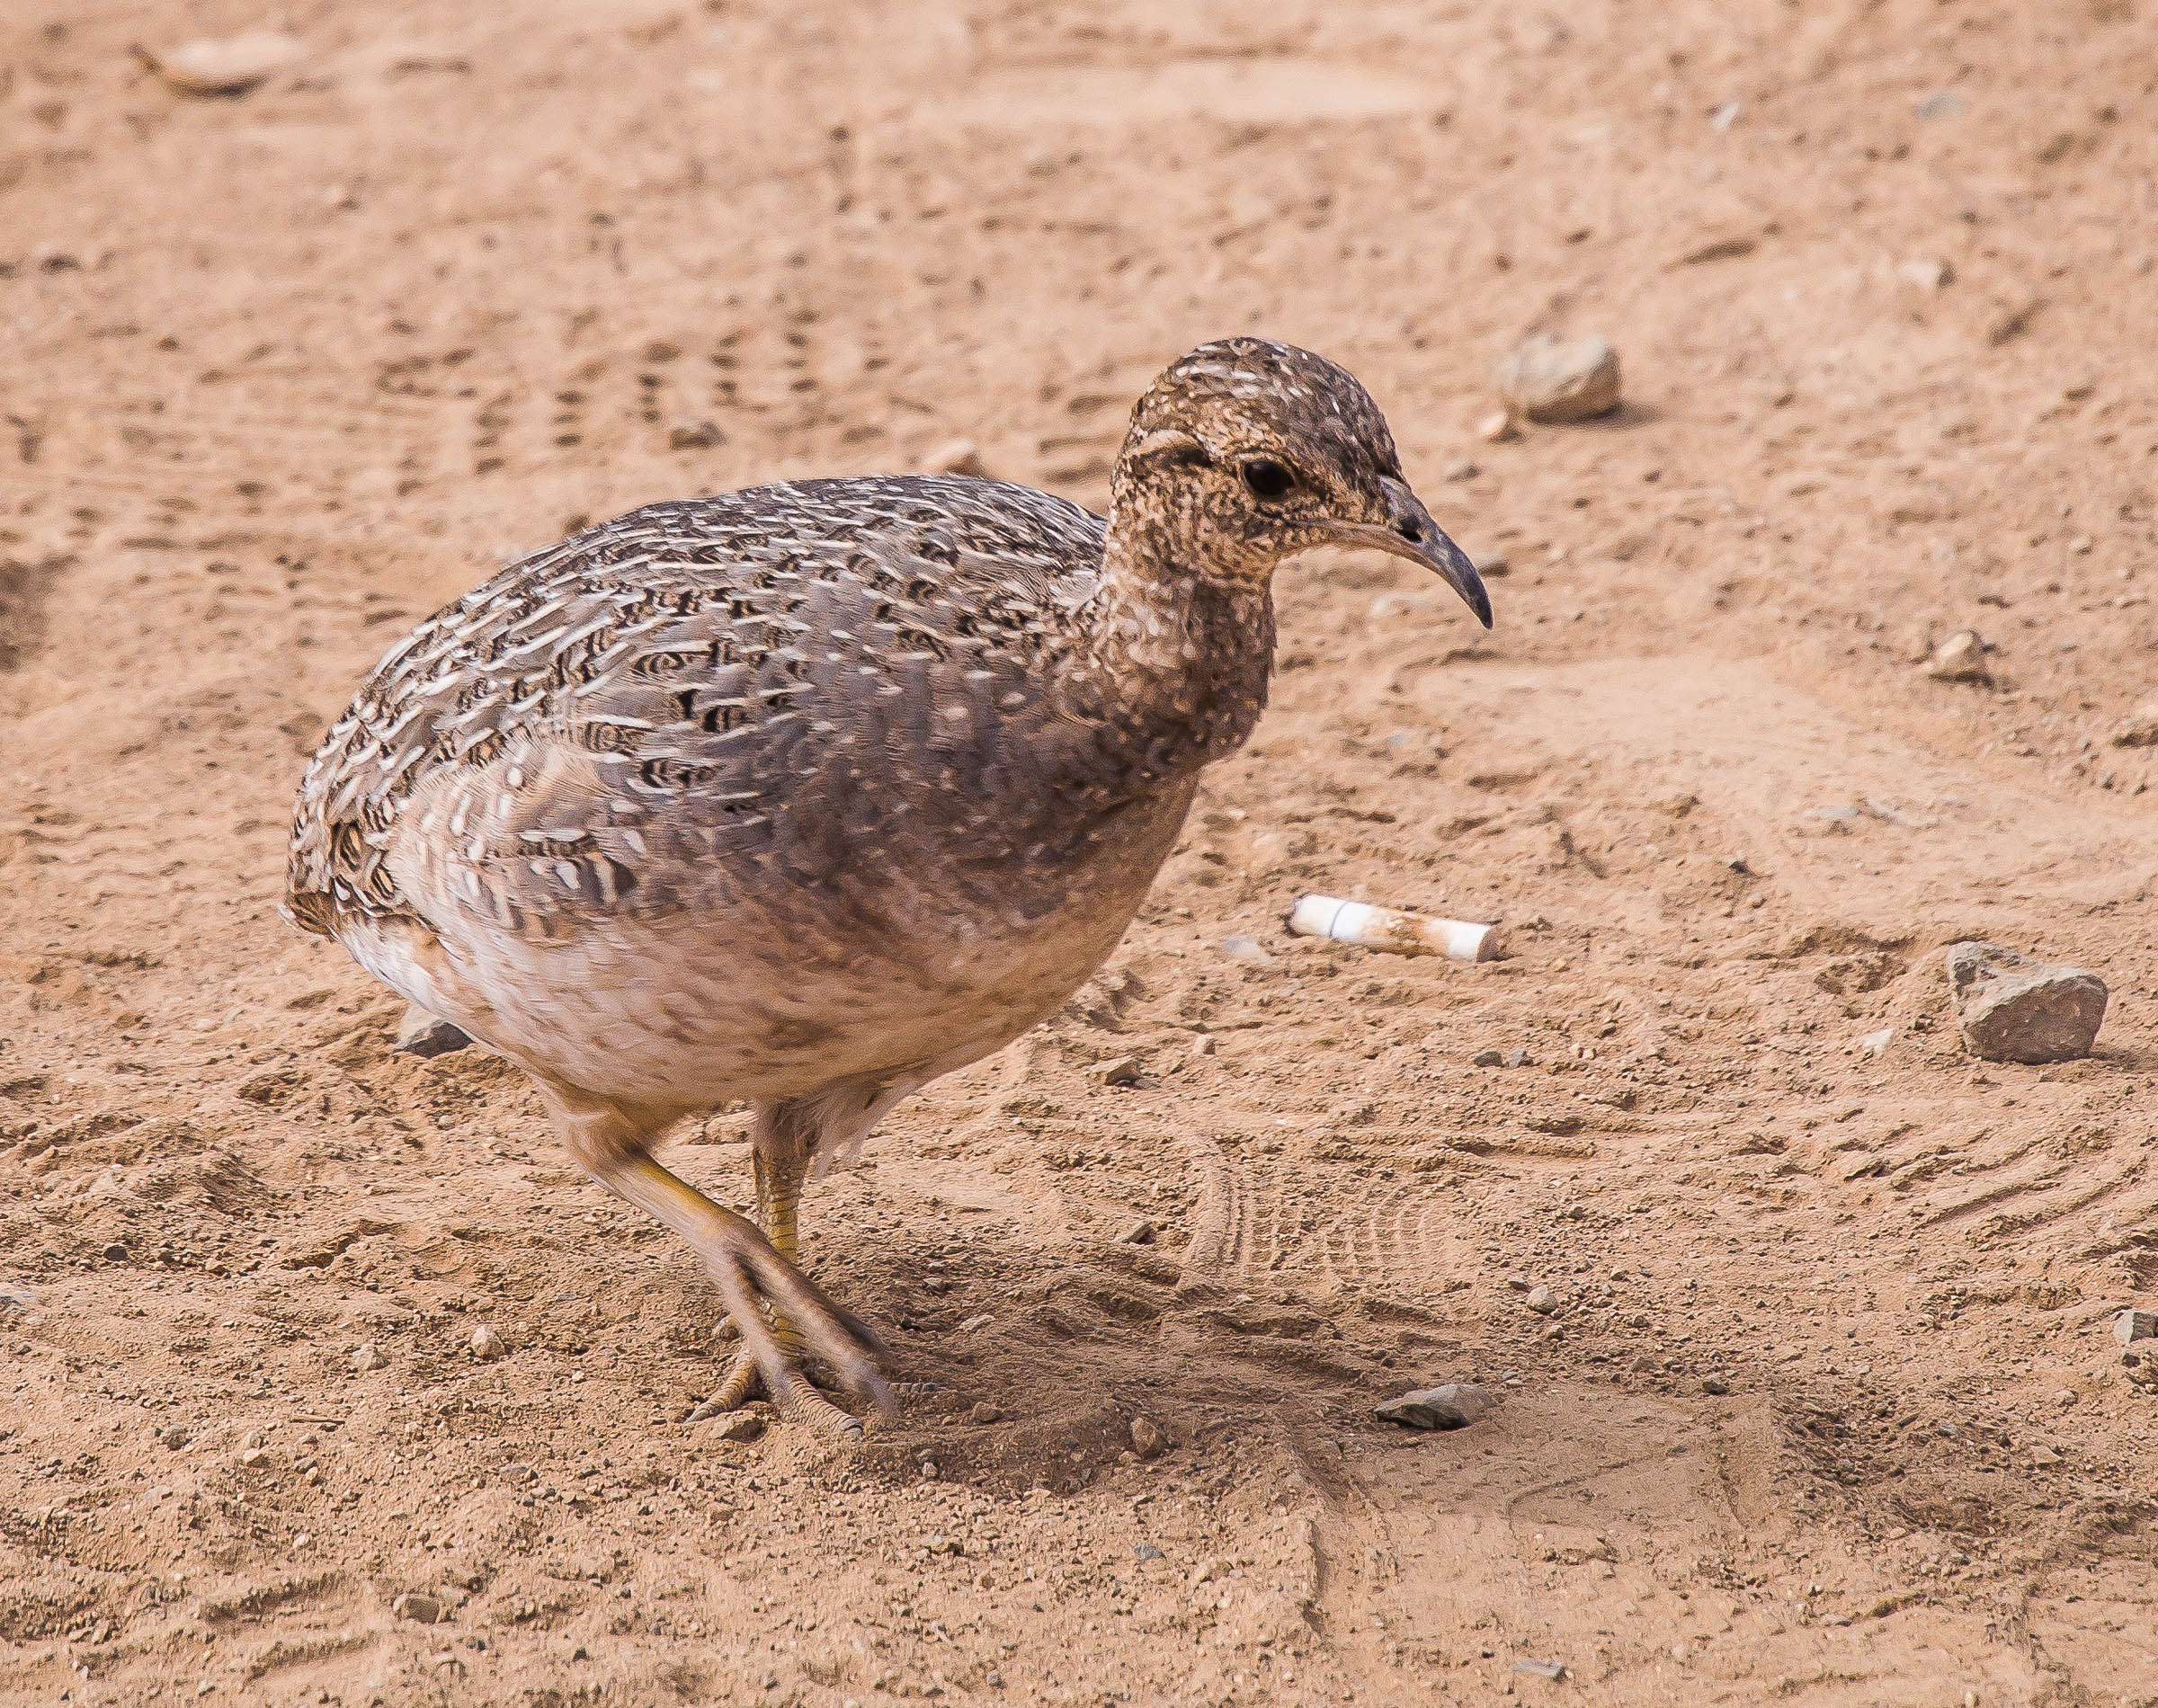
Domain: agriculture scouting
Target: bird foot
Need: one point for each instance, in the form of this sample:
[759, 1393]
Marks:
[800, 1399]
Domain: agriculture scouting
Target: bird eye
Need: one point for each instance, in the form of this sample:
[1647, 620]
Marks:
[1266, 477]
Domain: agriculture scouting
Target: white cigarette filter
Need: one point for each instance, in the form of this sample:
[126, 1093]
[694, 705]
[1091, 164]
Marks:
[1387, 928]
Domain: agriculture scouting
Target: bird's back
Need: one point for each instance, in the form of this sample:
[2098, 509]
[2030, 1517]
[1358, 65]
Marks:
[820, 719]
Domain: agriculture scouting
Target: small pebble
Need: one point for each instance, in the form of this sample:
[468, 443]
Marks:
[1497, 428]
[1489, 563]
[1715, 1384]
[1927, 275]
[1960, 658]
[739, 1425]
[1519, 1058]
[956, 457]
[1139, 1233]
[1542, 1301]
[2131, 1326]
[1144, 1551]
[1550, 378]
[695, 435]
[421, 1035]
[2139, 729]
[116, 1252]
[1146, 1437]
[1245, 948]
[486, 1343]
[1461, 469]
[226, 65]
[422, 1609]
[254, 1458]
[1520, 1283]
[984, 1413]
[1121, 1070]
[1487, 1058]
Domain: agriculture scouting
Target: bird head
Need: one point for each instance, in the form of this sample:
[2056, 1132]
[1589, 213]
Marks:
[1245, 452]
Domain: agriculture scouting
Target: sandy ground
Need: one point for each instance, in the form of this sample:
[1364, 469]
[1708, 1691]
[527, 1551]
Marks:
[1828, 1413]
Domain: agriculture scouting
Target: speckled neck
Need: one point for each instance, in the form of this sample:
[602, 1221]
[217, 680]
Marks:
[1182, 659]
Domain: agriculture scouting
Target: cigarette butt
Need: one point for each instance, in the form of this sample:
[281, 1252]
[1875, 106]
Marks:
[1387, 928]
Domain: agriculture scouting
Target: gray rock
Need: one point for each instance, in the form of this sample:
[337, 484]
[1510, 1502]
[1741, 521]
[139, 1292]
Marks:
[2130, 1326]
[1146, 1437]
[1554, 380]
[425, 1609]
[739, 1425]
[1121, 1070]
[1487, 1058]
[420, 1033]
[2013, 1009]
[1542, 1301]
[1140, 1232]
[1452, 1405]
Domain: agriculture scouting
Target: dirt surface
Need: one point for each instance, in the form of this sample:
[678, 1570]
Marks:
[1828, 1411]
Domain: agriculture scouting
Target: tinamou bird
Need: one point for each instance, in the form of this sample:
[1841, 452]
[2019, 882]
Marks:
[809, 794]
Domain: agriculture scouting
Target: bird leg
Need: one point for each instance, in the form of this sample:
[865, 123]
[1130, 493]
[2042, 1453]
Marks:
[766, 1295]
[784, 1144]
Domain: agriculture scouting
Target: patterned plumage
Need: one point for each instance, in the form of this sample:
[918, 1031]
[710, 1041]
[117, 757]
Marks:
[810, 793]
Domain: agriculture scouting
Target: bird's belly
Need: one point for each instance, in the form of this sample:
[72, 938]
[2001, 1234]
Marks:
[726, 997]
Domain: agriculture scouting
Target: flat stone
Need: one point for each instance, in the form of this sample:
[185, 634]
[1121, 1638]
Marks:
[420, 1033]
[2139, 729]
[2013, 1009]
[1487, 1058]
[1554, 380]
[2130, 1326]
[1139, 1233]
[739, 1425]
[1452, 1405]
[225, 65]
[1121, 1070]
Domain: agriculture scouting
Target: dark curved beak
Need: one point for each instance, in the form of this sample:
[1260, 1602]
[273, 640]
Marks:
[1410, 532]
